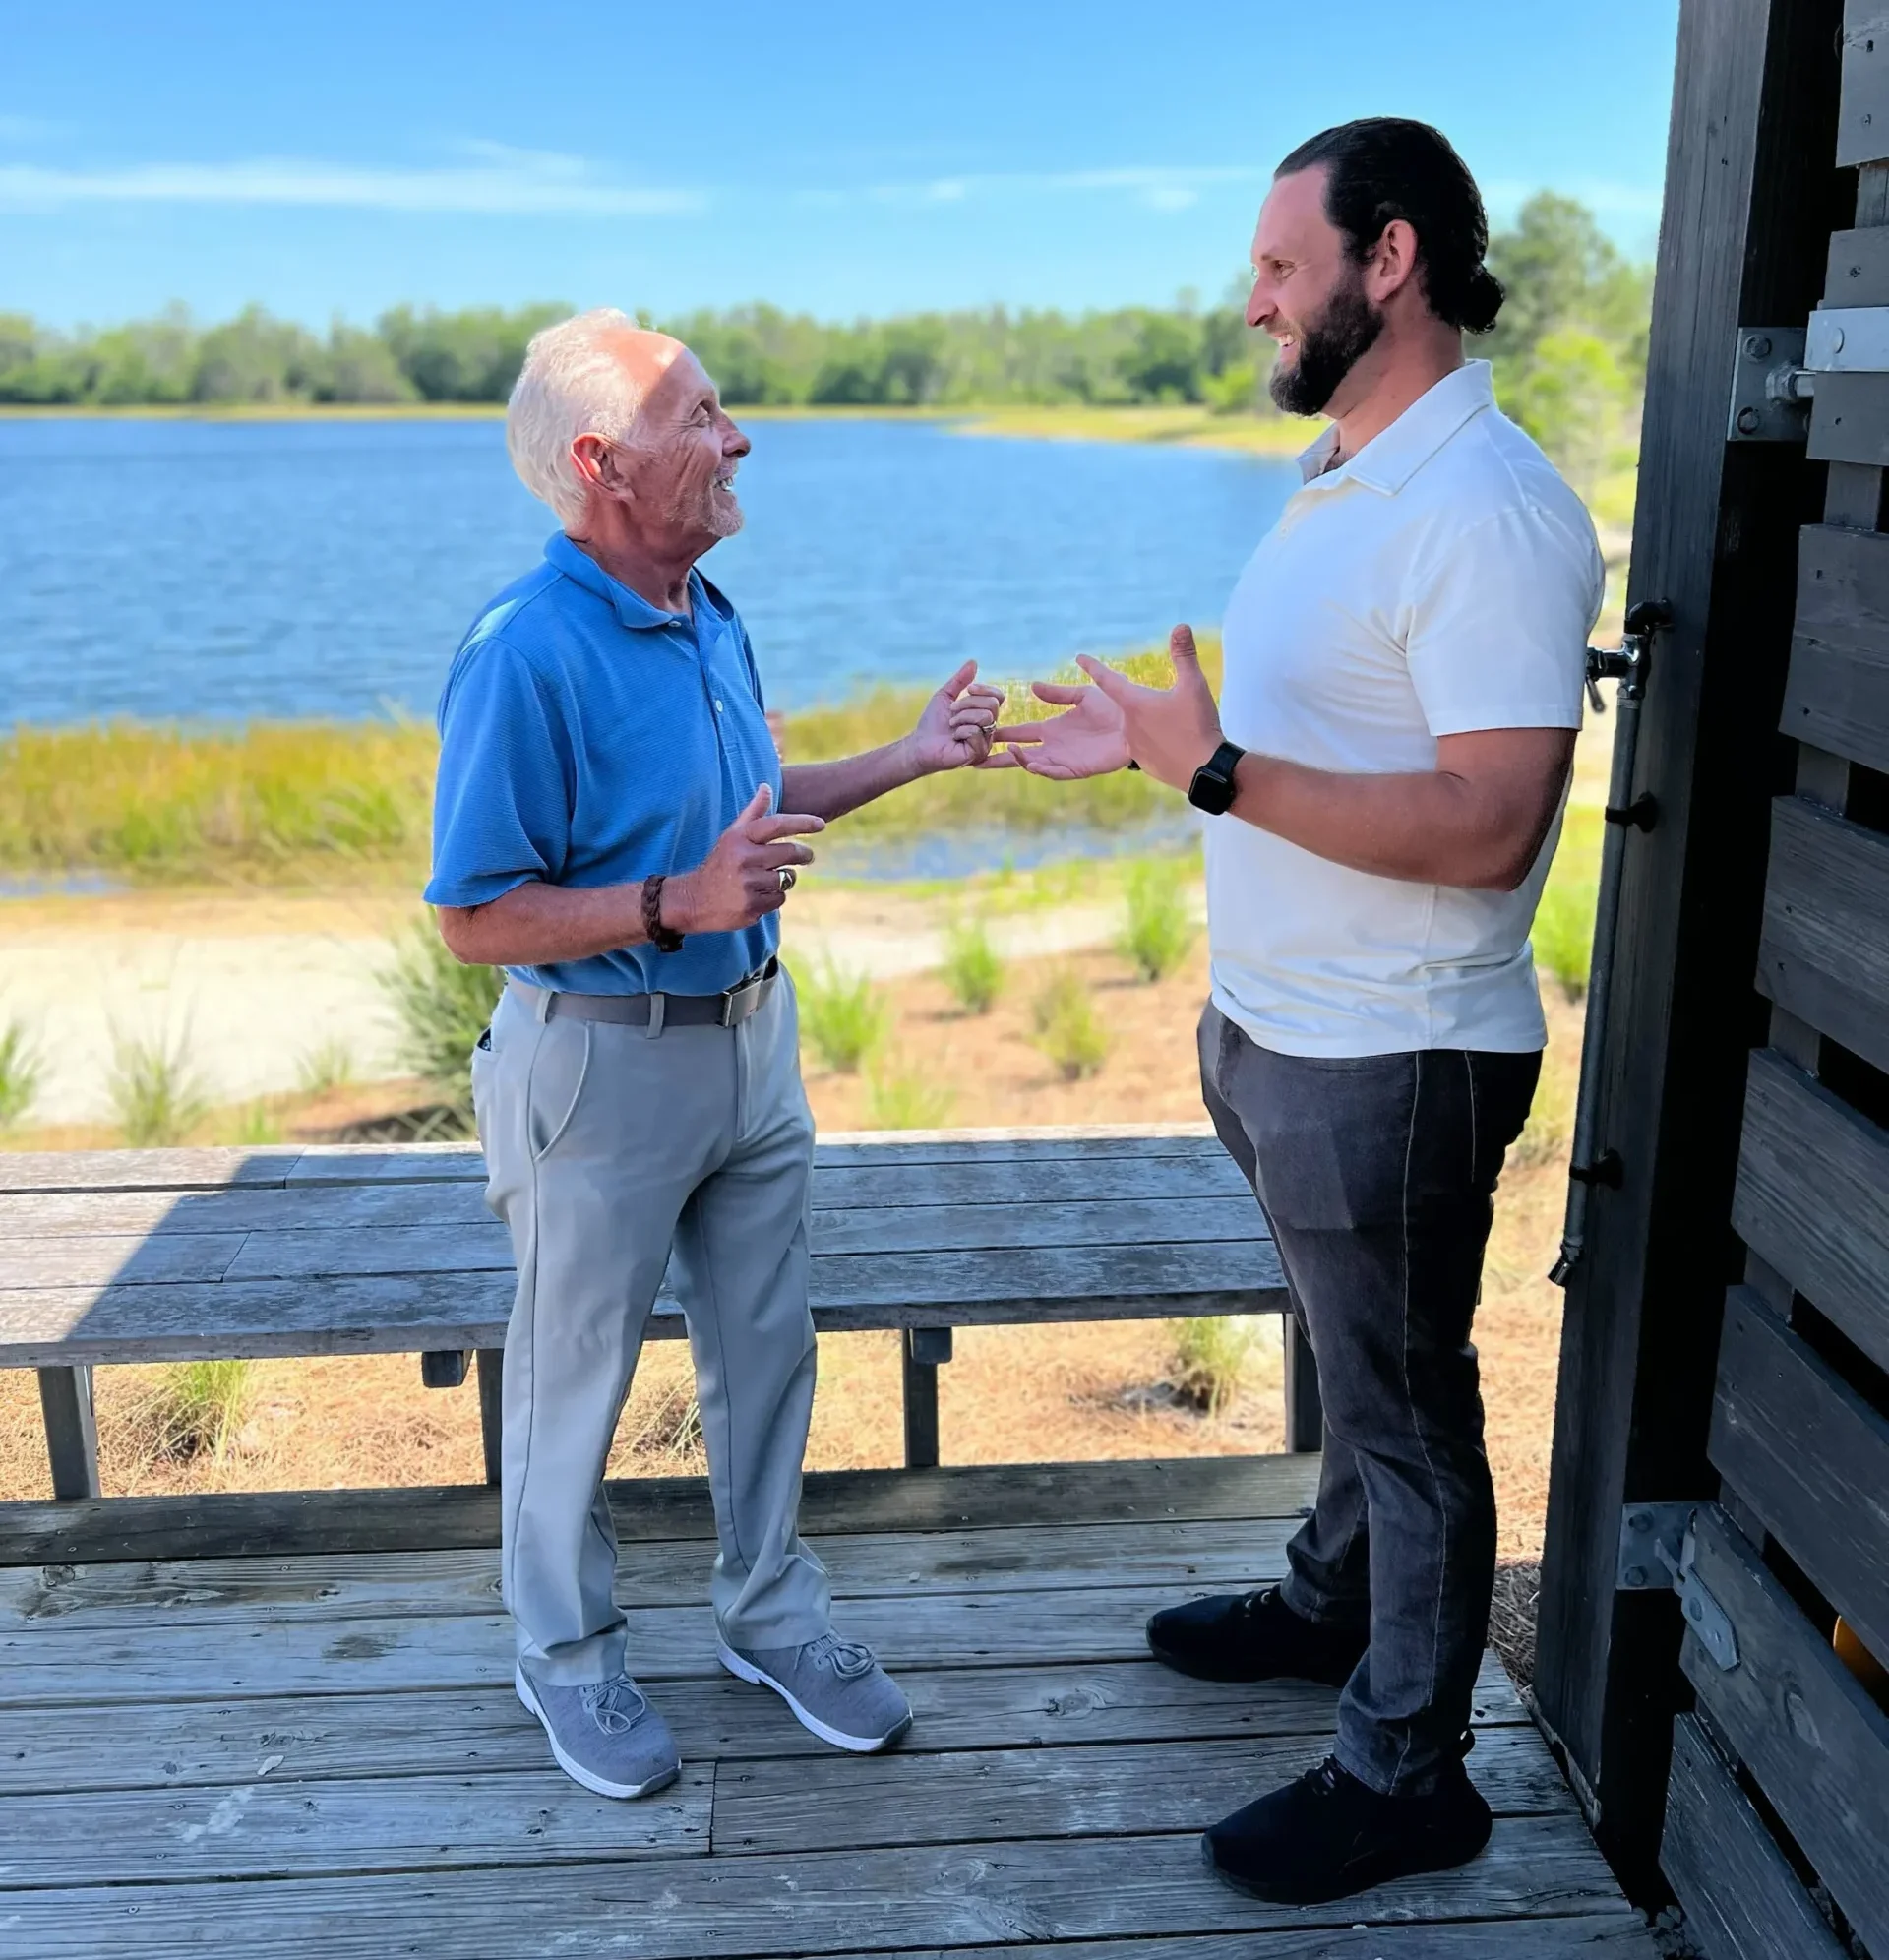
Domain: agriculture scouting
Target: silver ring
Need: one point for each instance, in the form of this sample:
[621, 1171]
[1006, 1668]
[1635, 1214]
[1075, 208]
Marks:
[787, 876]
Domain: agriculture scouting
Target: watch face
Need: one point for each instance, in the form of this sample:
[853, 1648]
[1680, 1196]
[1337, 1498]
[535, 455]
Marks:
[1210, 792]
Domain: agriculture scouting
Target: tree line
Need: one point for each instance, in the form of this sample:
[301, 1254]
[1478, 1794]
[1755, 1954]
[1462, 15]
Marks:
[1571, 344]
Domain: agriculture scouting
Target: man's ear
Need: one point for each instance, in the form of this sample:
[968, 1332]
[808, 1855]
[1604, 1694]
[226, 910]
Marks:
[1393, 263]
[597, 462]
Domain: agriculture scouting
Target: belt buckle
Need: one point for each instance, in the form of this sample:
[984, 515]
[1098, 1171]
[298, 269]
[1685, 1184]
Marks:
[736, 1004]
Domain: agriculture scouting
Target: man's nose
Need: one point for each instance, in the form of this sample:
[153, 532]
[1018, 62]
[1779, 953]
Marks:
[1262, 308]
[734, 440]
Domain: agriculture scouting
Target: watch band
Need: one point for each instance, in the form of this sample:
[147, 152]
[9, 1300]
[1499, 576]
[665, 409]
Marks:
[1212, 786]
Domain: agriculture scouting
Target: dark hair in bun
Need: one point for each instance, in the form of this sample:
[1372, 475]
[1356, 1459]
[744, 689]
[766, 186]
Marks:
[1386, 167]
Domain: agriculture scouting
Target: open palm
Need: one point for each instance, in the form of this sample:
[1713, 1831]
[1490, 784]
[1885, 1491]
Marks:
[1089, 740]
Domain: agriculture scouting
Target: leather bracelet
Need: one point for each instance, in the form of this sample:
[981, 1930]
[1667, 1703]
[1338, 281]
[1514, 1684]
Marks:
[658, 935]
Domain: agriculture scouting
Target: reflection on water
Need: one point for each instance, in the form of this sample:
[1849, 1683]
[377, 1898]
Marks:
[961, 853]
[60, 884]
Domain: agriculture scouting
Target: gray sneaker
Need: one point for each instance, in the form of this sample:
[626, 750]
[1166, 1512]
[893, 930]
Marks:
[835, 1688]
[605, 1734]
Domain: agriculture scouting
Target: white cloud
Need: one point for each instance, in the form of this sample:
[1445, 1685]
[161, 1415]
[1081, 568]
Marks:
[497, 181]
[1161, 187]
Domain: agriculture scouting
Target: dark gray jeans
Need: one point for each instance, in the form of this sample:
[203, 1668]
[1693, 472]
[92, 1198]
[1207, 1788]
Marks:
[1375, 1175]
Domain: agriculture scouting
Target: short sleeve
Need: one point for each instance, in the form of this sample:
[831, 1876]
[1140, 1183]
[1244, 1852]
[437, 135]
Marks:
[502, 800]
[1498, 624]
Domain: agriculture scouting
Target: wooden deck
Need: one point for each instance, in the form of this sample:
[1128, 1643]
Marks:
[320, 1753]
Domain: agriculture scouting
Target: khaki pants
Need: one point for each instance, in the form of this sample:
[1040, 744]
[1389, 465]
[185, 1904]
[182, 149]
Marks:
[606, 1147]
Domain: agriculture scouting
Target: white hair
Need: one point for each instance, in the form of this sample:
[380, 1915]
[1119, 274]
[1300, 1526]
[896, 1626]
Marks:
[573, 384]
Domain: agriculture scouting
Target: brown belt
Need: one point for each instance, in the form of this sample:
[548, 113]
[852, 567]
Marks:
[725, 1009]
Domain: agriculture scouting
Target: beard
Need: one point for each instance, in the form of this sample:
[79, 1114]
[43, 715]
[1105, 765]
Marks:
[1330, 348]
[707, 510]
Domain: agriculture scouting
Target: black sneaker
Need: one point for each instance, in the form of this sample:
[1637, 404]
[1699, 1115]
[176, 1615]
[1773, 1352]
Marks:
[1328, 1835]
[1252, 1636]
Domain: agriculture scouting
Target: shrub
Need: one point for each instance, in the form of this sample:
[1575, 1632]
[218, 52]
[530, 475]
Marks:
[328, 1065]
[155, 1092]
[257, 1123]
[1068, 1029]
[900, 1098]
[22, 1069]
[197, 1408]
[442, 1009]
[972, 969]
[1563, 935]
[1213, 1356]
[1159, 928]
[843, 1016]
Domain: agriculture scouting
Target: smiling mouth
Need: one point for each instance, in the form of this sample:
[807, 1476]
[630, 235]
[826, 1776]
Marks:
[725, 482]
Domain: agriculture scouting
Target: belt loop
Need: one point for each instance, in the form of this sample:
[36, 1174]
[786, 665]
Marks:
[543, 1008]
[657, 1004]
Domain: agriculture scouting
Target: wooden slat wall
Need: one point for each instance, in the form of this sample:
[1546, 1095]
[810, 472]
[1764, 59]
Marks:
[1751, 199]
[1801, 1416]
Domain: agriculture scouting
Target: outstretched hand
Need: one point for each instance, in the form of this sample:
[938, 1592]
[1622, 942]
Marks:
[1169, 731]
[956, 730]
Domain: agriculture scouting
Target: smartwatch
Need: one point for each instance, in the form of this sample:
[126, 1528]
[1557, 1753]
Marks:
[1211, 789]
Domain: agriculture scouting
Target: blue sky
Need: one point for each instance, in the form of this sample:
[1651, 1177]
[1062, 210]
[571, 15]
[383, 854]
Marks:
[841, 158]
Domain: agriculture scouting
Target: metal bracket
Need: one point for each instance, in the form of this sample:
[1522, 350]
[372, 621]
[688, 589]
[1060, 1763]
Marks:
[1771, 387]
[1656, 1553]
[1848, 339]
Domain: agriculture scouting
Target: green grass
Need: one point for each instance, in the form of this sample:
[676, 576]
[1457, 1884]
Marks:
[843, 1017]
[1563, 934]
[1068, 1029]
[310, 802]
[266, 802]
[443, 1008]
[972, 969]
[22, 1069]
[1213, 1356]
[155, 1090]
[197, 1409]
[1158, 931]
[328, 1065]
[899, 1097]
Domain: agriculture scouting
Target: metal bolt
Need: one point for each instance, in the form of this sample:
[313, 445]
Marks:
[1836, 340]
[1693, 1609]
[1636, 1575]
[1640, 1521]
[1748, 420]
[1757, 345]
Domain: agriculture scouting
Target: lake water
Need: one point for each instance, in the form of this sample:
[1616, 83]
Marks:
[232, 570]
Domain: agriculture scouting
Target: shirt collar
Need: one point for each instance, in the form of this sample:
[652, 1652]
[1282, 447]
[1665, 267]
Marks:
[1394, 454]
[633, 610]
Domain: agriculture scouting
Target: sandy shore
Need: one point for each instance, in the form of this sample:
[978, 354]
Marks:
[250, 984]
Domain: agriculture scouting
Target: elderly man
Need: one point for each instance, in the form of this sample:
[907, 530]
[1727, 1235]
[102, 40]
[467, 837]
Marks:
[1384, 782]
[614, 829]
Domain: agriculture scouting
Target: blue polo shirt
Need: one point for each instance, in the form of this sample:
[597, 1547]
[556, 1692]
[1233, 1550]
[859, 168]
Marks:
[588, 738]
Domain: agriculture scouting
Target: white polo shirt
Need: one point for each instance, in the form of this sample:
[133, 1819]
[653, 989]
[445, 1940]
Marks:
[1442, 580]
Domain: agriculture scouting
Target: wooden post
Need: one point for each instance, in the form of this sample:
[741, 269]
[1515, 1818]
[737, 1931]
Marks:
[1305, 1409]
[72, 1431]
[922, 1350]
[491, 1365]
[1750, 197]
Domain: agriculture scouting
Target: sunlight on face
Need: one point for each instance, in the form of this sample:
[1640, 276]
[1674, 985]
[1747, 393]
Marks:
[1297, 260]
[690, 447]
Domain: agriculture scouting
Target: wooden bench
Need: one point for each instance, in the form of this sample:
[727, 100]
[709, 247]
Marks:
[116, 1257]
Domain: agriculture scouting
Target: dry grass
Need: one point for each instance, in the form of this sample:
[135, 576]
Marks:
[1072, 1392]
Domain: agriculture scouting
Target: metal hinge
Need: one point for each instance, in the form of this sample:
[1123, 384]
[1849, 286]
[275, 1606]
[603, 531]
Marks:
[1771, 387]
[1775, 369]
[1656, 1553]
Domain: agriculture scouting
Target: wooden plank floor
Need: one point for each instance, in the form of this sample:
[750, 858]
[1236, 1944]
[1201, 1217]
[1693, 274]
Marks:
[320, 1753]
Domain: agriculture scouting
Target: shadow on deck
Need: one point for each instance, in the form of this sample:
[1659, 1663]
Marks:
[319, 1752]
